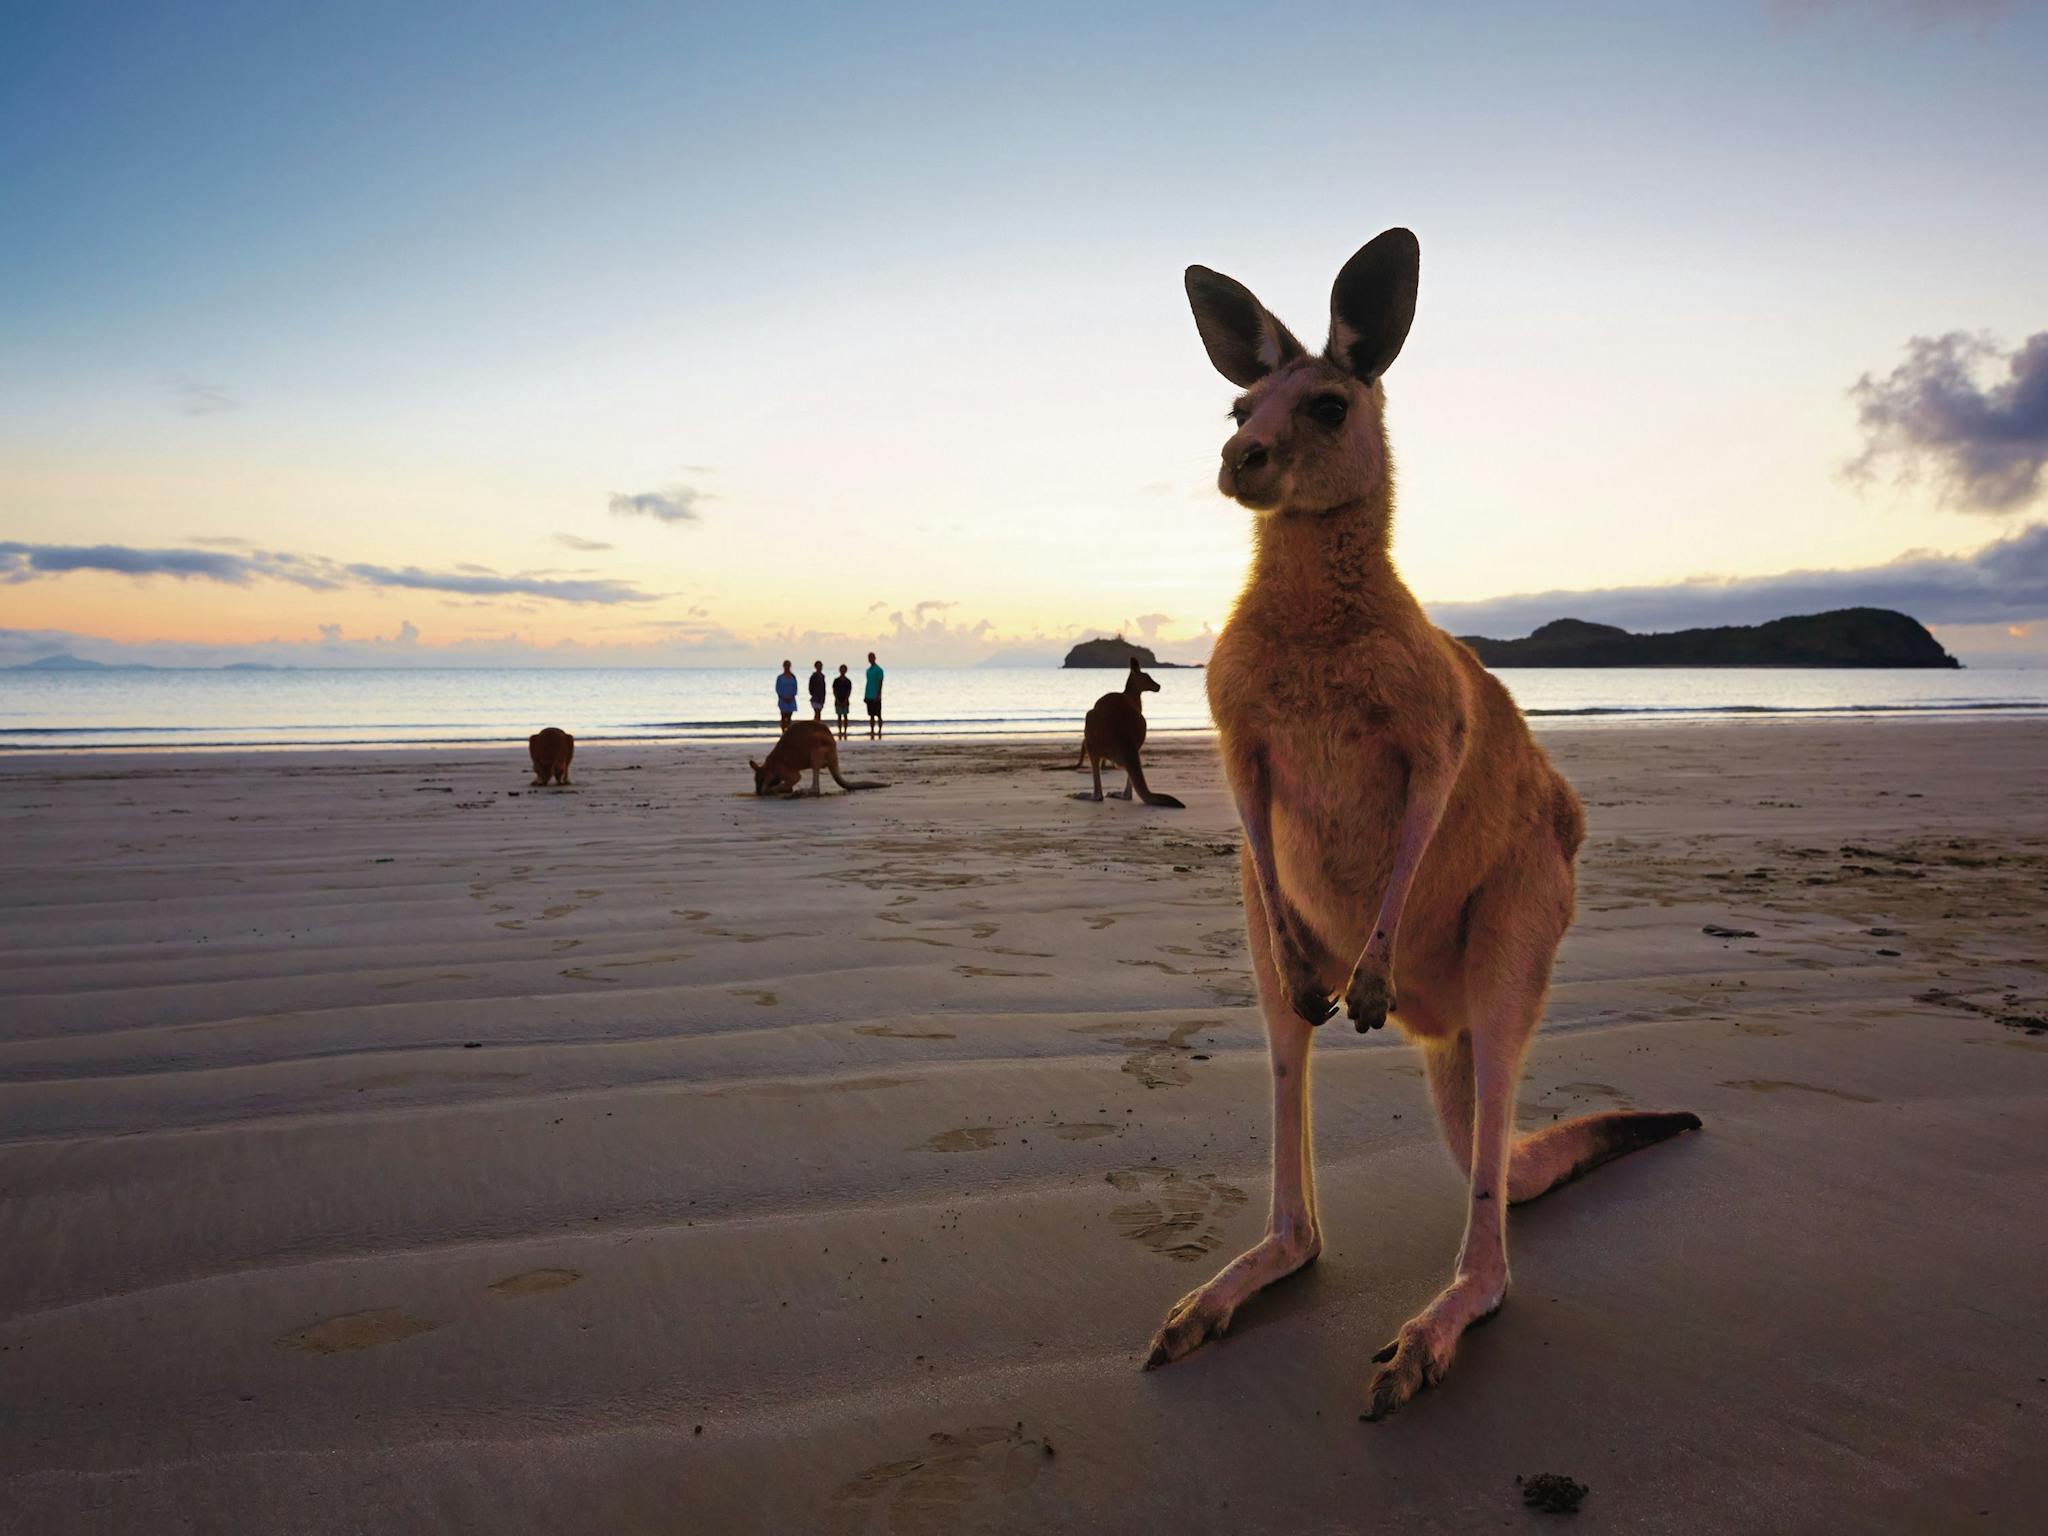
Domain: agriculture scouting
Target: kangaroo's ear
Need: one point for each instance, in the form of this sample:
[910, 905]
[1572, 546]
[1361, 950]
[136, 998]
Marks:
[1373, 304]
[753, 765]
[1243, 339]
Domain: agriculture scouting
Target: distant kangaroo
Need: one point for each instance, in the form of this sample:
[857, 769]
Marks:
[1381, 774]
[550, 750]
[1113, 733]
[803, 744]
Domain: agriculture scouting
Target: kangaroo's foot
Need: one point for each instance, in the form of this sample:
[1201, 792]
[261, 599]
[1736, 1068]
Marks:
[1370, 996]
[1205, 1313]
[1088, 794]
[1420, 1353]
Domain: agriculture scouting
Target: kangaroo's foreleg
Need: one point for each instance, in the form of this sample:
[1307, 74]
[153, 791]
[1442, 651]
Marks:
[1295, 952]
[1292, 1238]
[1369, 996]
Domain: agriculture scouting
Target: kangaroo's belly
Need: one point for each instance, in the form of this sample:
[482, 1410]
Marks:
[1337, 798]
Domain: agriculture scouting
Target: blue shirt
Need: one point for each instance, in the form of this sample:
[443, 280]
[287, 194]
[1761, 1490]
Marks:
[785, 691]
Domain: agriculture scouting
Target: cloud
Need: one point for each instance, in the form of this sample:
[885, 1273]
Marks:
[677, 504]
[192, 397]
[587, 546]
[1985, 445]
[2005, 582]
[25, 562]
[317, 573]
[1149, 624]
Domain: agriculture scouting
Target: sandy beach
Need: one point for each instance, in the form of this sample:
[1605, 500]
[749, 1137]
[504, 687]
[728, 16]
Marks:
[386, 1145]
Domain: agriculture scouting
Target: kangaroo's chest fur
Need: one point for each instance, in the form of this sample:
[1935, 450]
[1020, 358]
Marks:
[1331, 700]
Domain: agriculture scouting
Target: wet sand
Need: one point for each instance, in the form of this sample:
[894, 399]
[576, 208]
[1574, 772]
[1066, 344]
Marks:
[386, 1145]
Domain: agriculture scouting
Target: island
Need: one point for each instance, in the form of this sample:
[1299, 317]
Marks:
[1843, 637]
[1117, 652]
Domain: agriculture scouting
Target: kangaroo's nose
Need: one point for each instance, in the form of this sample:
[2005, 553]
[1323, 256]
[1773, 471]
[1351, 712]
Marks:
[1250, 456]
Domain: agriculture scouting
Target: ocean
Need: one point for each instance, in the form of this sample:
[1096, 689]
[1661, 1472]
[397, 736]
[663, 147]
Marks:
[174, 709]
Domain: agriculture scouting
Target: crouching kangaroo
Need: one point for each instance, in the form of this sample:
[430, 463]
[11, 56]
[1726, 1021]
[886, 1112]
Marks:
[1113, 733]
[803, 744]
[551, 750]
[1400, 823]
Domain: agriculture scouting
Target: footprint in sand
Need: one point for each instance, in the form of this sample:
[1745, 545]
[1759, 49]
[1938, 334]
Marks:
[968, 1138]
[955, 1483]
[356, 1330]
[1156, 1063]
[1084, 1130]
[562, 910]
[1779, 1085]
[1179, 1217]
[584, 973]
[989, 970]
[534, 1282]
[760, 999]
[890, 1032]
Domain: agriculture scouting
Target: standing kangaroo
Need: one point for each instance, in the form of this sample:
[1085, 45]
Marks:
[1113, 733]
[1398, 817]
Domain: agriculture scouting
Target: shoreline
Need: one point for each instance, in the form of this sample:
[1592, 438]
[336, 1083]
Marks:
[1544, 723]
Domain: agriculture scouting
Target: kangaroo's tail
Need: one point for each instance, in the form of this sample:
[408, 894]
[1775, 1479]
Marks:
[1144, 792]
[851, 784]
[1557, 1154]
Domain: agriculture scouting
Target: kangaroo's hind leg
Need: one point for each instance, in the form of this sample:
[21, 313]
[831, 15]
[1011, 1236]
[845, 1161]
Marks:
[1095, 767]
[1293, 1238]
[1516, 924]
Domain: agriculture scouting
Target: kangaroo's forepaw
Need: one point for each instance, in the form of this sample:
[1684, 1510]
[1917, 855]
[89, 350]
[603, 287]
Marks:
[1369, 998]
[1196, 1318]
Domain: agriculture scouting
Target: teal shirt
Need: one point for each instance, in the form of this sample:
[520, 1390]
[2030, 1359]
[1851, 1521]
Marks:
[874, 690]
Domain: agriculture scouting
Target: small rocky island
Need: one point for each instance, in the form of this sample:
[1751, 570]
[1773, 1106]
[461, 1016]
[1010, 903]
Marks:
[1117, 652]
[1844, 637]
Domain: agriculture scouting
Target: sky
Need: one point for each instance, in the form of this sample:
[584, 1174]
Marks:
[675, 335]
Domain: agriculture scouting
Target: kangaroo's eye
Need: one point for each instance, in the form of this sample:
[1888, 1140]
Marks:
[1241, 412]
[1328, 409]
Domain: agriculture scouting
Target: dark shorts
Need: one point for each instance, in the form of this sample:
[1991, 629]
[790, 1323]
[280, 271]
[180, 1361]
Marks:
[874, 709]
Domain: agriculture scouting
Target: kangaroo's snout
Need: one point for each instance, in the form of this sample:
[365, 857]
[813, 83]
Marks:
[1250, 471]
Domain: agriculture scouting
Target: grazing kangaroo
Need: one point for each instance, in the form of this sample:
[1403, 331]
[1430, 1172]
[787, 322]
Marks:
[1113, 733]
[1399, 820]
[550, 750]
[803, 744]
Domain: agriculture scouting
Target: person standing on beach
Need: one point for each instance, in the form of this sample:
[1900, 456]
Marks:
[873, 696]
[842, 698]
[817, 690]
[785, 694]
